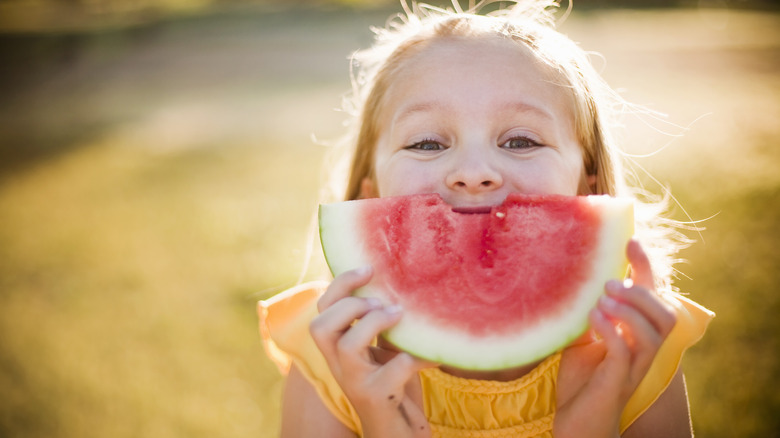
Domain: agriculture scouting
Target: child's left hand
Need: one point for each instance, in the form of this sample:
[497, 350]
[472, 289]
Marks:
[632, 321]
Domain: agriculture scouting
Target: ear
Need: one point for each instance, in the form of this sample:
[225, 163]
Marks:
[587, 184]
[592, 183]
[367, 189]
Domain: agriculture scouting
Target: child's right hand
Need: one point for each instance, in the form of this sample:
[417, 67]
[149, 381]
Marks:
[375, 381]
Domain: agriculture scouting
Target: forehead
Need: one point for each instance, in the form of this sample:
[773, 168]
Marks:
[482, 71]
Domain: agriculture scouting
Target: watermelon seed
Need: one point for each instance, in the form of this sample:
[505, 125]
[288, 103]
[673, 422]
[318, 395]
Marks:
[500, 214]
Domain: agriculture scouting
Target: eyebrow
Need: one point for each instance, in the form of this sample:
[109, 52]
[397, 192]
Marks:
[422, 107]
[513, 106]
[524, 107]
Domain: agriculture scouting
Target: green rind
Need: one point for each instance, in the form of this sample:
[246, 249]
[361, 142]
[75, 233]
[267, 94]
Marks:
[322, 234]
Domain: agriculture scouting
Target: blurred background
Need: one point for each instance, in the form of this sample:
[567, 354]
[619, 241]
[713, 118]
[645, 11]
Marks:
[159, 174]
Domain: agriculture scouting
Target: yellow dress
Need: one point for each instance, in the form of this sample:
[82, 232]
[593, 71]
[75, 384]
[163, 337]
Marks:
[458, 407]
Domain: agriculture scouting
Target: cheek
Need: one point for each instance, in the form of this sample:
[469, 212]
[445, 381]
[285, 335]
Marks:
[573, 168]
[575, 179]
[387, 178]
[550, 176]
[408, 179]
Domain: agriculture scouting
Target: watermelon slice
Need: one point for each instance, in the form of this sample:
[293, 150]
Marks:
[482, 289]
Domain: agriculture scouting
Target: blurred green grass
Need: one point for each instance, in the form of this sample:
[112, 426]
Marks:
[157, 182]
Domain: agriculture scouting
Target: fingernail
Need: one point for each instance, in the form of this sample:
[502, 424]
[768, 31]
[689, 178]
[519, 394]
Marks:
[373, 303]
[613, 286]
[608, 303]
[363, 270]
[393, 309]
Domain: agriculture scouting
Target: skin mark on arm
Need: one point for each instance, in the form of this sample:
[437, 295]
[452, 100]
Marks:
[405, 416]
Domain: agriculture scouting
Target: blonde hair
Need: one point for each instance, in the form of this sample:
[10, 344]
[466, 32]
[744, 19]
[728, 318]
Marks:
[530, 24]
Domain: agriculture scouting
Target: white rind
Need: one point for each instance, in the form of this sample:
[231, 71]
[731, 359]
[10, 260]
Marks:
[340, 241]
[430, 341]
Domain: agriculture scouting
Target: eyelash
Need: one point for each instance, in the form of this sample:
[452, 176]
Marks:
[529, 143]
[418, 146]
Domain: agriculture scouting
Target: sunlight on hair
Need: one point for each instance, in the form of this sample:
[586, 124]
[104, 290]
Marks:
[598, 111]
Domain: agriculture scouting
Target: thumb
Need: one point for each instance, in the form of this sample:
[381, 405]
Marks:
[641, 269]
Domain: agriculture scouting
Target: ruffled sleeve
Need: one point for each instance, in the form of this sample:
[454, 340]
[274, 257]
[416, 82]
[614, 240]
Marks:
[692, 321]
[284, 327]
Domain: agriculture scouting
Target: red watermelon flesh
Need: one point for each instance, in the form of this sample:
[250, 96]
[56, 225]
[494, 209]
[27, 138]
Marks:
[482, 289]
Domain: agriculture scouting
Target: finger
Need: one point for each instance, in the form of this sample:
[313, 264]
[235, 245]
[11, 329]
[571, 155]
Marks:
[629, 318]
[613, 370]
[384, 351]
[638, 334]
[641, 269]
[608, 332]
[398, 371]
[648, 303]
[344, 285]
[356, 341]
[334, 321]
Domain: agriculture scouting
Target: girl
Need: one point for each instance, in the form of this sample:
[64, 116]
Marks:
[474, 107]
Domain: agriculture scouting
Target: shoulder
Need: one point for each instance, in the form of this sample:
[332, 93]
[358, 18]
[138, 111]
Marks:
[284, 323]
[284, 327]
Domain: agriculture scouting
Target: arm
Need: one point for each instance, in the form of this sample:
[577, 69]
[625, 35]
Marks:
[304, 414]
[668, 417]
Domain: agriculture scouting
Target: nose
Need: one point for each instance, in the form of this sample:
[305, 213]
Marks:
[474, 172]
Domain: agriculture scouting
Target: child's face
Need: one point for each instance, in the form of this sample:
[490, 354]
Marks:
[474, 121]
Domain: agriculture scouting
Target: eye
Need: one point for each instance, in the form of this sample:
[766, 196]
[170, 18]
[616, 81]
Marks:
[521, 143]
[426, 145]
